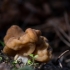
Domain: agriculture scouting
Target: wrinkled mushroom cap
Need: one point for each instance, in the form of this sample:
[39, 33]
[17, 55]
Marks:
[38, 32]
[43, 52]
[29, 36]
[14, 44]
[26, 43]
[13, 31]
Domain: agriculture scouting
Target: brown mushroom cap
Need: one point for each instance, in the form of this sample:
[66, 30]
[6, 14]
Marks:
[14, 44]
[13, 31]
[44, 55]
[38, 32]
[29, 36]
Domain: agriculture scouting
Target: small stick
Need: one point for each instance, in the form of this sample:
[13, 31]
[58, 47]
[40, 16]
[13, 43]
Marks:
[60, 65]
[59, 31]
[67, 23]
[63, 53]
[60, 57]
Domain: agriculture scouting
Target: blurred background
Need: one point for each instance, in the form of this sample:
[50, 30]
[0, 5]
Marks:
[52, 17]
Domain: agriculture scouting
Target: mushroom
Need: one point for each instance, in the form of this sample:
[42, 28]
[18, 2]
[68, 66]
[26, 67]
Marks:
[18, 42]
[42, 50]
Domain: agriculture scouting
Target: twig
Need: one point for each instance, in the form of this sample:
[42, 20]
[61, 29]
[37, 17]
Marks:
[58, 30]
[63, 54]
[67, 23]
[60, 64]
[58, 59]
[68, 60]
[61, 37]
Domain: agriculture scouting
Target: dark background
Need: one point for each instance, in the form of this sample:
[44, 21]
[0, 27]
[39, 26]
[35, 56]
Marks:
[52, 17]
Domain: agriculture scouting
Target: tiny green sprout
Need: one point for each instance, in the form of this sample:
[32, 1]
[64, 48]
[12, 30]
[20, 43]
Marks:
[32, 61]
[14, 65]
[31, 55]
[7, 58]
[15, 62]
[0, 58]
[35, 56]
[2, 43]
[29, 62]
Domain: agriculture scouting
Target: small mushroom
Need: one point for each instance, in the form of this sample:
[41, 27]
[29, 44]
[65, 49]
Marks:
[44, 55]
